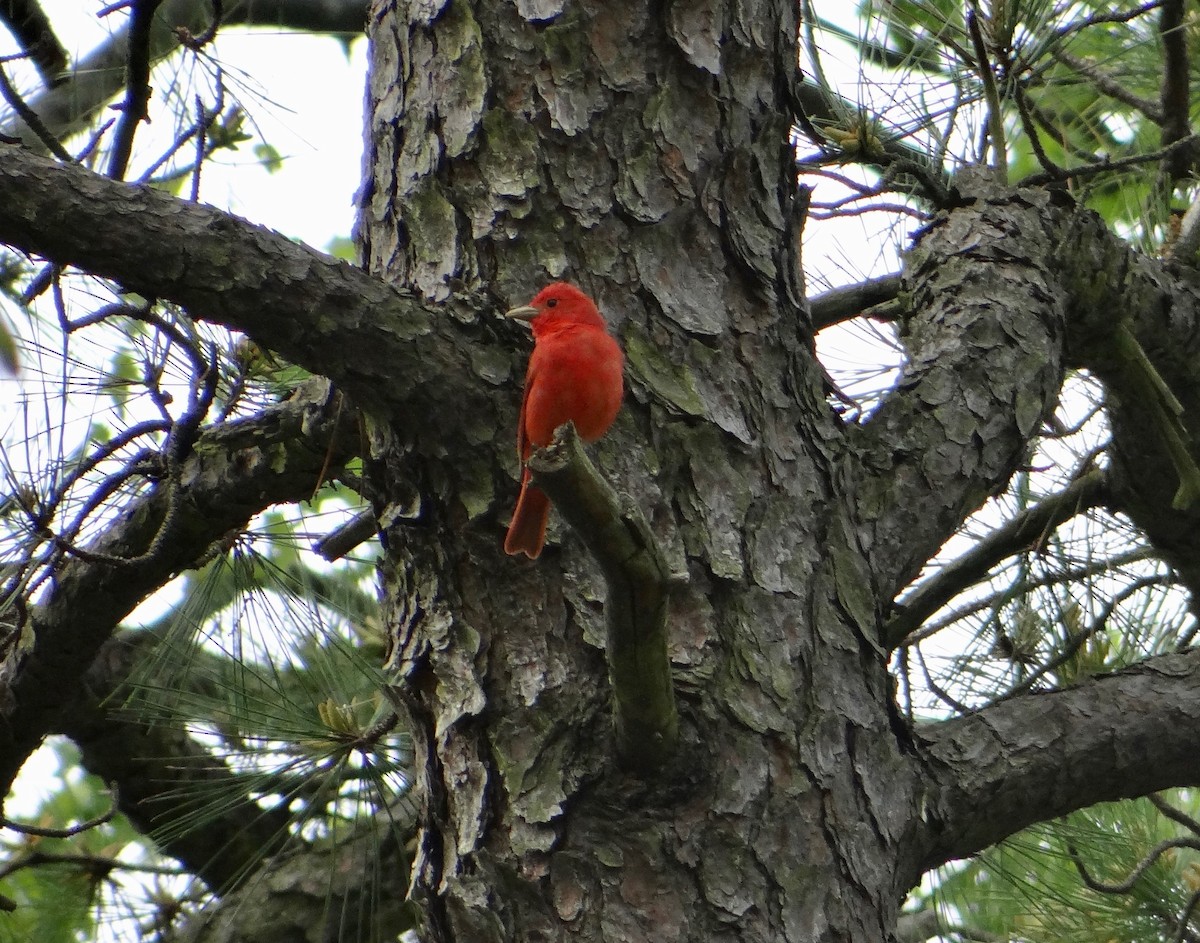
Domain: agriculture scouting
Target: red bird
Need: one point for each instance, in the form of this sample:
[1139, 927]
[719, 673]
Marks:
[575, 374]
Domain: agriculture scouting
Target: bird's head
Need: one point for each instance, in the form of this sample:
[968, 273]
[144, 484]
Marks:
[556, 306]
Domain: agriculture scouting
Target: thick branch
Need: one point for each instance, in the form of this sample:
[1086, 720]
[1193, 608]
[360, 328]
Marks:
[236, 470]
[1160, 303]
[1041, 755]
[320, 312]
[1007, 291]
[985, 366]
[635, 608]
[1175, 93]
[27, 21]
[67, 108]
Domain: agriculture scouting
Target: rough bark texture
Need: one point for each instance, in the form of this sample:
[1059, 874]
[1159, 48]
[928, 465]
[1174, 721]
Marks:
[642, 151]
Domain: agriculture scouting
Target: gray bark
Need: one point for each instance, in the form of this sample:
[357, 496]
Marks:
[645, 156]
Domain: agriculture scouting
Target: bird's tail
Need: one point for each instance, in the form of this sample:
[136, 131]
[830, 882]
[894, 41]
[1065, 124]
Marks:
[527, 532]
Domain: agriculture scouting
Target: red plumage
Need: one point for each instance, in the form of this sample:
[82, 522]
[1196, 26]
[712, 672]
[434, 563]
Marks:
[575, 374]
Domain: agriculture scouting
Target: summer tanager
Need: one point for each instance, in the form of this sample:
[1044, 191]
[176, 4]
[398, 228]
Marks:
[574, 375]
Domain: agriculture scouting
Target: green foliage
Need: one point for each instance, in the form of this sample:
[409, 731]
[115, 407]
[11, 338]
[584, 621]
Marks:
[1031, 887]
[58, 883]
[342, 247]
[268, 156]
[1078, 88]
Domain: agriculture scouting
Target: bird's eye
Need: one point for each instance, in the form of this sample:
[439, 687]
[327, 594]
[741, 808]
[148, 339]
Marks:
[551, 302]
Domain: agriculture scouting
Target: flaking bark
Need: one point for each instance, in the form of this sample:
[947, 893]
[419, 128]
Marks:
[645, 156]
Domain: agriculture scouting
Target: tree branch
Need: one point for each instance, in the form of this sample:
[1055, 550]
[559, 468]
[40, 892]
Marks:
[1175, 94]
[27, 22]
[235, 470]
[325, 314]
[1109, 85]
[1161, 304]
[985, 364]
[1037, 756]
[840, 304]
[635, 608]
[135, 109]
[985, 357]
[972, 566]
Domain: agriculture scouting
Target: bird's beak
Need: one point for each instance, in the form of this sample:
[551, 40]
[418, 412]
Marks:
[524, 313]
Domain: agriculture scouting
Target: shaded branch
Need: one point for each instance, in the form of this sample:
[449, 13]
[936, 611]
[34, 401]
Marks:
[135, 108]
[27, 22]
[840, 304]
[33, 123]
[1174, 96]
[236, 470]
[1037, 756]
[353, 889]
[1015, 535]
[344, 538]
[1103, 275]
[635, 608]
[986, 357]
[926, 924]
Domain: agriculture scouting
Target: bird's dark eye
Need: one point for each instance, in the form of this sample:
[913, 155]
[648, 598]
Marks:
[551, 302]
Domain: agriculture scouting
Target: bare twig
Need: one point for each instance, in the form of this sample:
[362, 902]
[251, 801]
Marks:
[995, 117]
[1122, 16]
[1075, 642]
[1105, 166]
[31, 118]
[1033, 524]
[42, 831]
[198, 42]
[1110, 86]
[1124, 887]
[135, 108]
[1177, 816]
[1029, 125]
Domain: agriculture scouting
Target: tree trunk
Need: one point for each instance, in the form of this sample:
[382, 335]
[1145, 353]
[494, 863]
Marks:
[645, 155]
